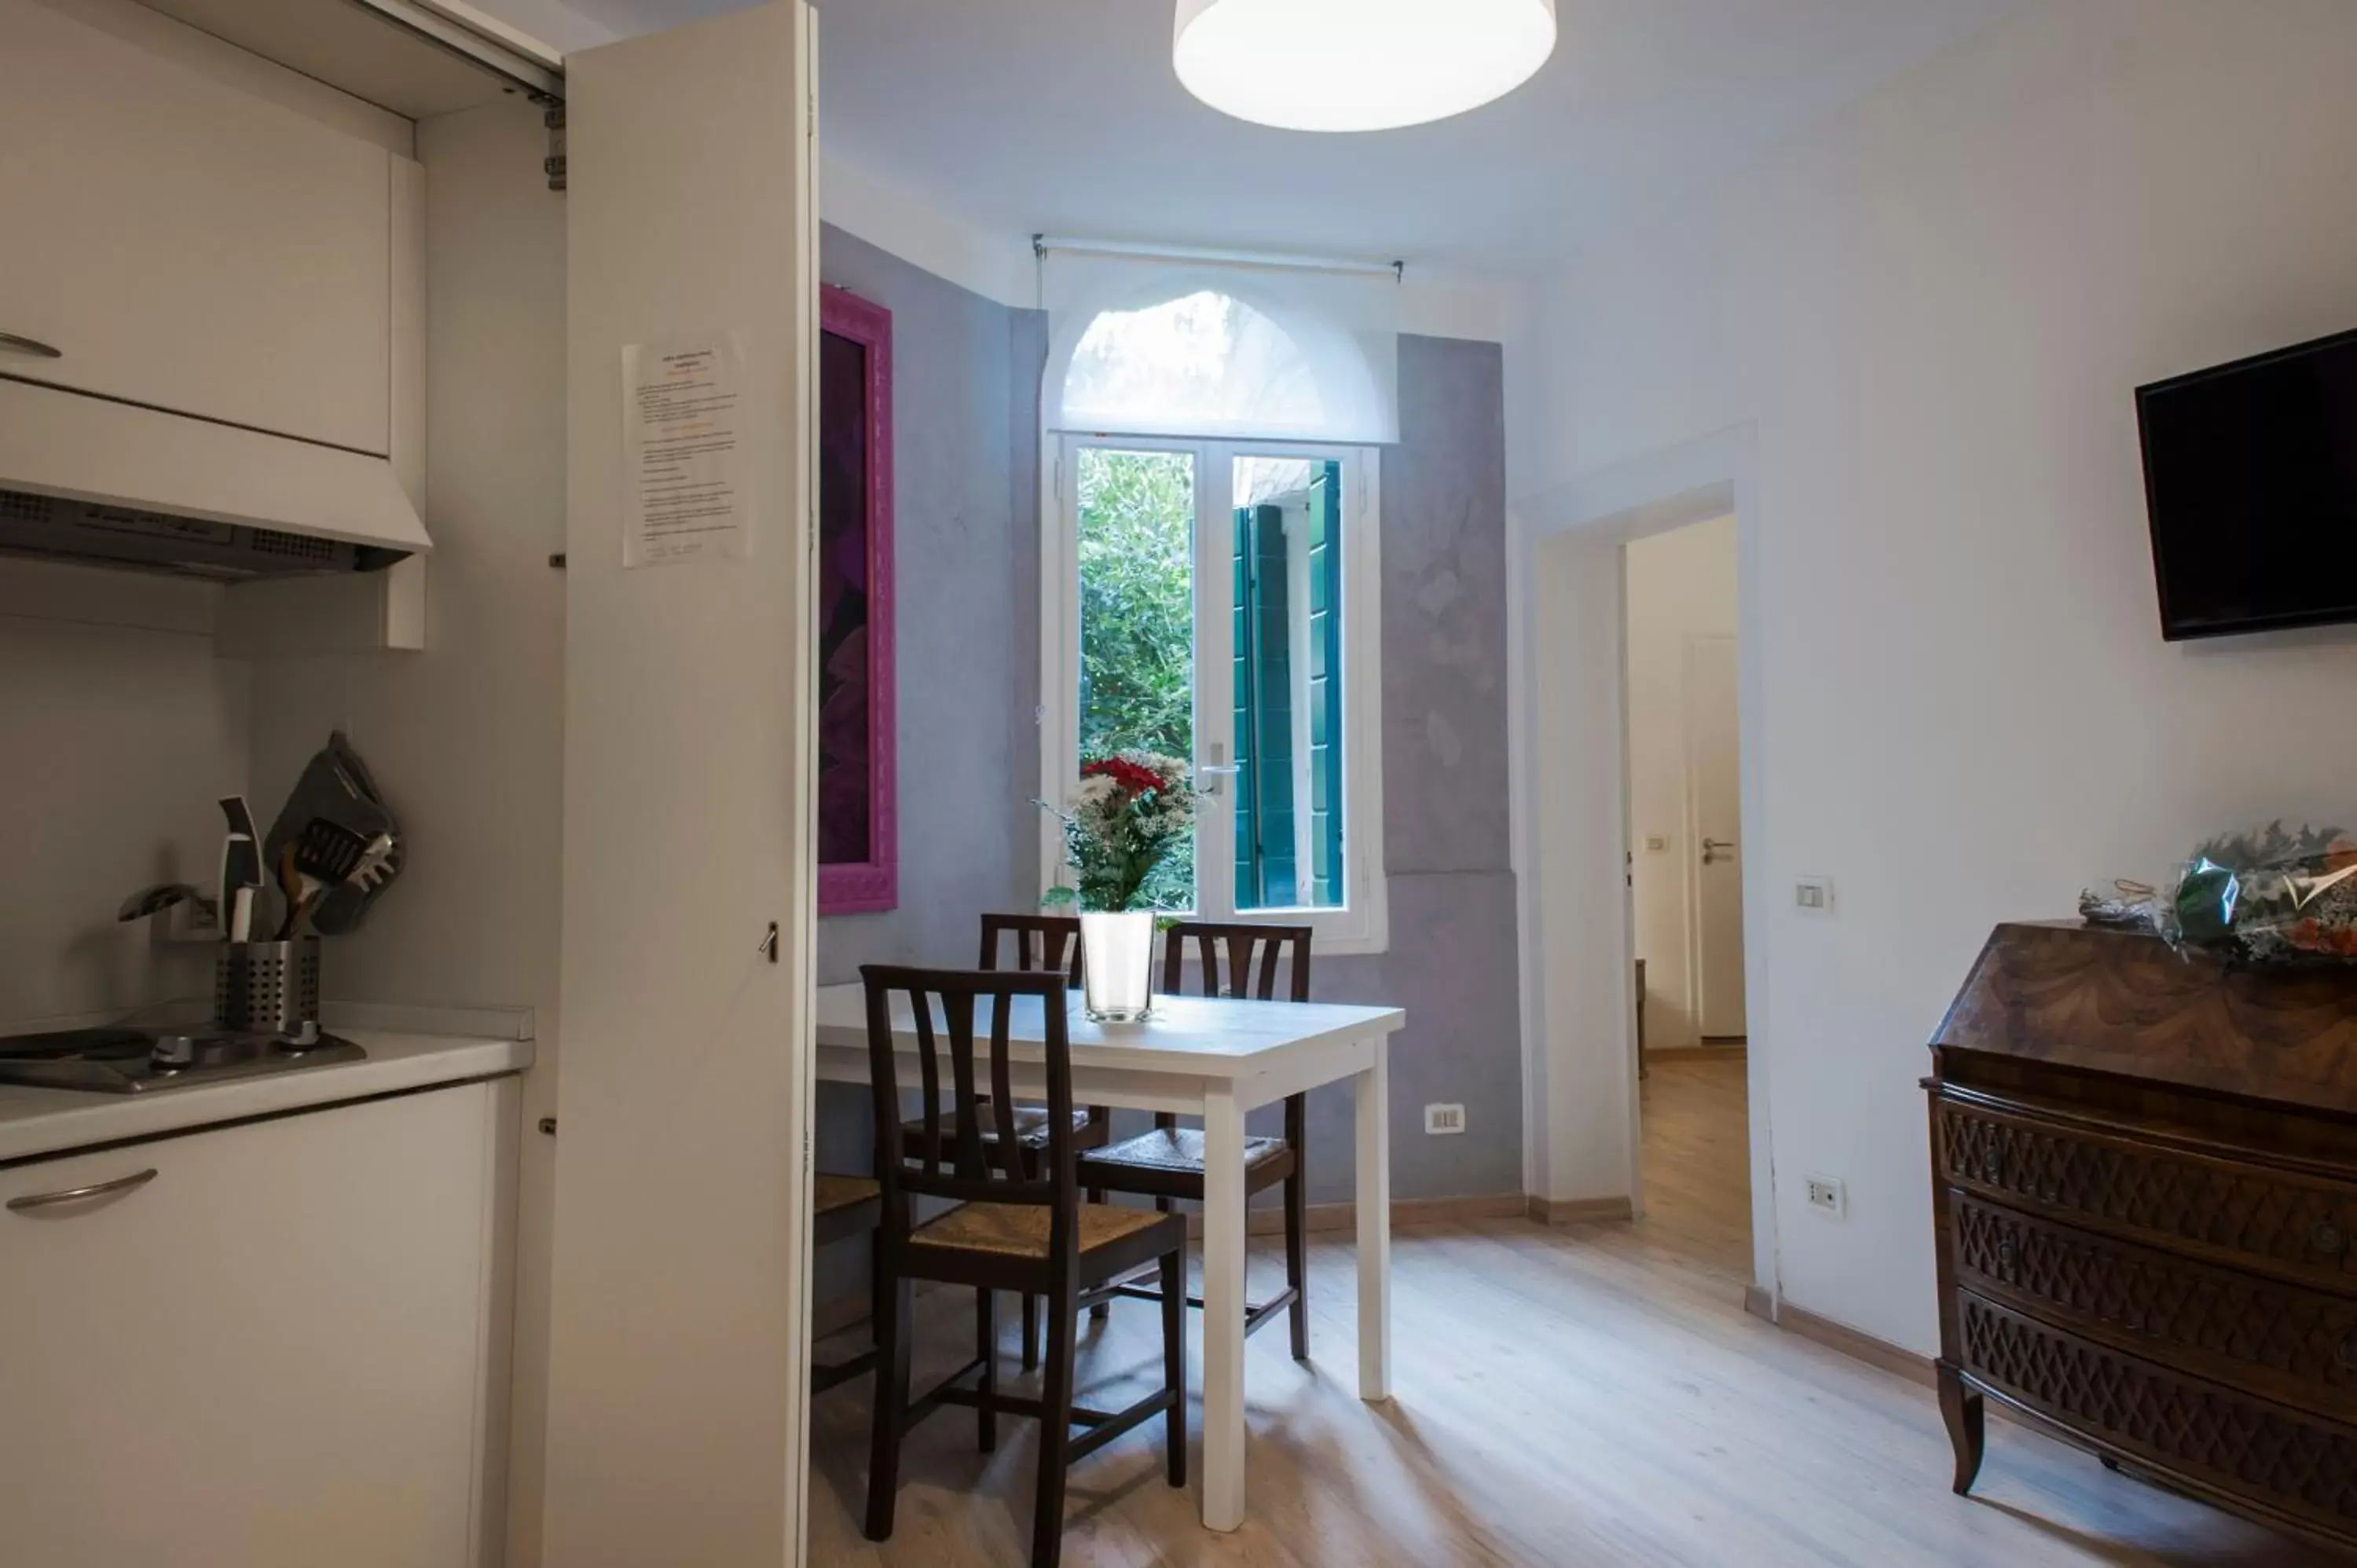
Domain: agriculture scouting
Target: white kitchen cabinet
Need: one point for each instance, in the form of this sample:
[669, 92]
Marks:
[186, 243]
[279, 1350]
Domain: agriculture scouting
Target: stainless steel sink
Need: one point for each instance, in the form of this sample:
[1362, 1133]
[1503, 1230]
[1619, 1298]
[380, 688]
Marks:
[124, 1060]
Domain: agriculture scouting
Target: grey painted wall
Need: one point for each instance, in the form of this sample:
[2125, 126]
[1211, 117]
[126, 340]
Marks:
[1452, 962]
[966, 381]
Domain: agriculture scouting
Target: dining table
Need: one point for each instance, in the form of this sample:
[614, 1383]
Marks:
[1216, 1057]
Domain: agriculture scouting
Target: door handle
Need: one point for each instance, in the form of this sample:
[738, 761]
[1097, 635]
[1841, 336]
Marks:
[136, 1180]
[1711, 848]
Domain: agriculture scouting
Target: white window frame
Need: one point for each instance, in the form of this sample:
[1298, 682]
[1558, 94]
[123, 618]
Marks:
[1364, 925]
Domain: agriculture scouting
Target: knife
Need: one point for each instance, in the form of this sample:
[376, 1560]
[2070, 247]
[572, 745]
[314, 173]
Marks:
[241, 869]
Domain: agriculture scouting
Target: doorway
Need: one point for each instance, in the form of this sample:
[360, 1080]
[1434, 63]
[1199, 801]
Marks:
[1681, 663]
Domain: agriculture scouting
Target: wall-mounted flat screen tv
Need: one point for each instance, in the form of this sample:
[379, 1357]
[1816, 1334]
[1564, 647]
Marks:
[2251, 481]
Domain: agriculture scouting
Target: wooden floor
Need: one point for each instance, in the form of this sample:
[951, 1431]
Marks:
[1588, 1395]
[1697, 1160]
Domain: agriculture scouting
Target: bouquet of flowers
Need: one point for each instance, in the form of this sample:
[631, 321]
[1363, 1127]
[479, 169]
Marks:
[1130, 810]
[2273, 896]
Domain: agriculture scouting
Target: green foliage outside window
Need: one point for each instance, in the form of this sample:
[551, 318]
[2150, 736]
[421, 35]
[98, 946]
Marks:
[1137, 621]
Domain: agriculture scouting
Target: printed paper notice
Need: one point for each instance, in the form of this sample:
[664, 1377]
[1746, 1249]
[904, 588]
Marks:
[684, 452]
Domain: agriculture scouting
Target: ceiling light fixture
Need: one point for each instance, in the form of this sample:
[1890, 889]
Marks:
[1357, 65]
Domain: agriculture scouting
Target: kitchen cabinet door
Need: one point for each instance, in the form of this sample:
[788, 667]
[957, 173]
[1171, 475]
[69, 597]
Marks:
[271, 1353]
[184, 244]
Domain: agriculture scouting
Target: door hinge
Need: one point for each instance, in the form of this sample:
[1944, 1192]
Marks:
[551, 115]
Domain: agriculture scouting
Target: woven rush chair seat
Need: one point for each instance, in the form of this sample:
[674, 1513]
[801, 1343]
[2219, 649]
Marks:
[836, 1193]
[1178, 1151]
[842, 1206]
[1031, 1127]
[1018, 1231]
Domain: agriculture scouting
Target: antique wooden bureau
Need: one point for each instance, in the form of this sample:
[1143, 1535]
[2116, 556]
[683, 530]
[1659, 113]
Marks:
[2145, 1200]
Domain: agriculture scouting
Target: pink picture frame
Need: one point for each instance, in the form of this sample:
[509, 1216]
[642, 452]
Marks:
[858, 793]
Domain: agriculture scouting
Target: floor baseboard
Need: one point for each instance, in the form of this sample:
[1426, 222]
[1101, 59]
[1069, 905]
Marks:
[1841, 1337]
[1733, 1051]
[1578, 1210]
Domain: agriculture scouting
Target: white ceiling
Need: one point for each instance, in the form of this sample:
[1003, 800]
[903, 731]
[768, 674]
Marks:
[1064, 117]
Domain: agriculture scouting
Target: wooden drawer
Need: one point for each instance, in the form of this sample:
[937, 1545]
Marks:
[2224, 1210]
[2280, 1340]
[2259, 1452]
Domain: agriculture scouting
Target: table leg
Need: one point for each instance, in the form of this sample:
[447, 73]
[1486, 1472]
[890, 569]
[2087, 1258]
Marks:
[1374, 1216]
[1223, 1311]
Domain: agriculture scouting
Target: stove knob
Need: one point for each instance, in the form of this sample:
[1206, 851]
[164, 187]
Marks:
[172, 1051]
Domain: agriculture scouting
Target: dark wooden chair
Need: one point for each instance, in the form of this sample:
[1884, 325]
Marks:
[1167, 1163]
[1041, 943]
[1019, 1226]
[842, 1206]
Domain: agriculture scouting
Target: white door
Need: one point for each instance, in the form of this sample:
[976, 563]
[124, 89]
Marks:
[679, 1274]
[268, 1347]
[185, 243]
[1714, 794]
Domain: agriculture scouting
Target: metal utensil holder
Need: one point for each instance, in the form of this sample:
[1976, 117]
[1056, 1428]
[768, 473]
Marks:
[267, 988]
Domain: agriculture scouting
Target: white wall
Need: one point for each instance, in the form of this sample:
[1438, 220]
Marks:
[120, 731]
[1931, 312]
[467, 737]
[1680, 584]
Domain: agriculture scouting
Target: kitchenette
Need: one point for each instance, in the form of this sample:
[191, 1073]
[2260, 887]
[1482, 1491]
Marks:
[281, 691]
[356, 773]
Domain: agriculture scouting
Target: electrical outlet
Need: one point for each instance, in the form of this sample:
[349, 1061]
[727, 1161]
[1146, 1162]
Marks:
[1828, 1194]
[1440, 1119]
[1813, 895]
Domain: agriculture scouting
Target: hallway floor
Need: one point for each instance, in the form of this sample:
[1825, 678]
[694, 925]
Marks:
[1697, 1160]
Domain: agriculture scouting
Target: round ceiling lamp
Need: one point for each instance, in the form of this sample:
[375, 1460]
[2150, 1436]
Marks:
[1357, 65]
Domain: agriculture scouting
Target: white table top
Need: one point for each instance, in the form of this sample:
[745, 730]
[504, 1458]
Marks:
[1206, 1037]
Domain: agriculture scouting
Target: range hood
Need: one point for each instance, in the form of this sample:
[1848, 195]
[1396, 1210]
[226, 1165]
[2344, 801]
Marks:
[87, 479]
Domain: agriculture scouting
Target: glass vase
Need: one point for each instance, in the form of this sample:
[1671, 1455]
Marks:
[1117, 955]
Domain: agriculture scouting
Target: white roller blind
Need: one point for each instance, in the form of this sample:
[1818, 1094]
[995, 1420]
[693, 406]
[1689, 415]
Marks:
[1149, 346]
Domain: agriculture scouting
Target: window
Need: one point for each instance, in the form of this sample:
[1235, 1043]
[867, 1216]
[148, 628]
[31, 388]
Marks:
[1223, 607]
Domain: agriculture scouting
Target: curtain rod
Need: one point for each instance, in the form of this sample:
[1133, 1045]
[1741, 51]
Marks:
[1043, 243]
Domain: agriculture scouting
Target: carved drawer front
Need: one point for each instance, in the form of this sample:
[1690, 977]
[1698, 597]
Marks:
[2294, 1345]
[2231, 1212]
[2285, 1458]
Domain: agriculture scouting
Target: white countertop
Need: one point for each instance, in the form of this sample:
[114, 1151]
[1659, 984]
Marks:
[36, 1122]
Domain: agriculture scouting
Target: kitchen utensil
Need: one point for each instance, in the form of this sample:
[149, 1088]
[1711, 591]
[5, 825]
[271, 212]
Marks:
[324, 856]
[156, 900]
[241, 868]
[336, 784]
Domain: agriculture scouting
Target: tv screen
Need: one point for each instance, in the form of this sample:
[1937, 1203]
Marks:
[2251, 481]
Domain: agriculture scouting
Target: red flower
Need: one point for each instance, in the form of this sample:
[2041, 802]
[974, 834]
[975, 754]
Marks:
[1133, 779]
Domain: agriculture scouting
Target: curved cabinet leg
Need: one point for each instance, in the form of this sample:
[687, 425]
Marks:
[1968, 1425]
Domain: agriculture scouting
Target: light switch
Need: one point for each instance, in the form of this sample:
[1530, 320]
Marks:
[1814, 895]
[1655, 844]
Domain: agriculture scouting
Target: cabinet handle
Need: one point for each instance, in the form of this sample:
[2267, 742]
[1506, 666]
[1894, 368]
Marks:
[2008, 1261]
[12, 344]
[2328, 1239]
[2349, 1351]
[131, 1183]
[1992, 1161]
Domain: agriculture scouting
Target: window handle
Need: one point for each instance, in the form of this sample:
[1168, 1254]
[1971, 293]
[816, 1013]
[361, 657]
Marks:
[1215, 773]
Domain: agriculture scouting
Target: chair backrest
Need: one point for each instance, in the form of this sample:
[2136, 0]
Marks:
[1041, 941]
[952, 1159]
[1242, 944]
